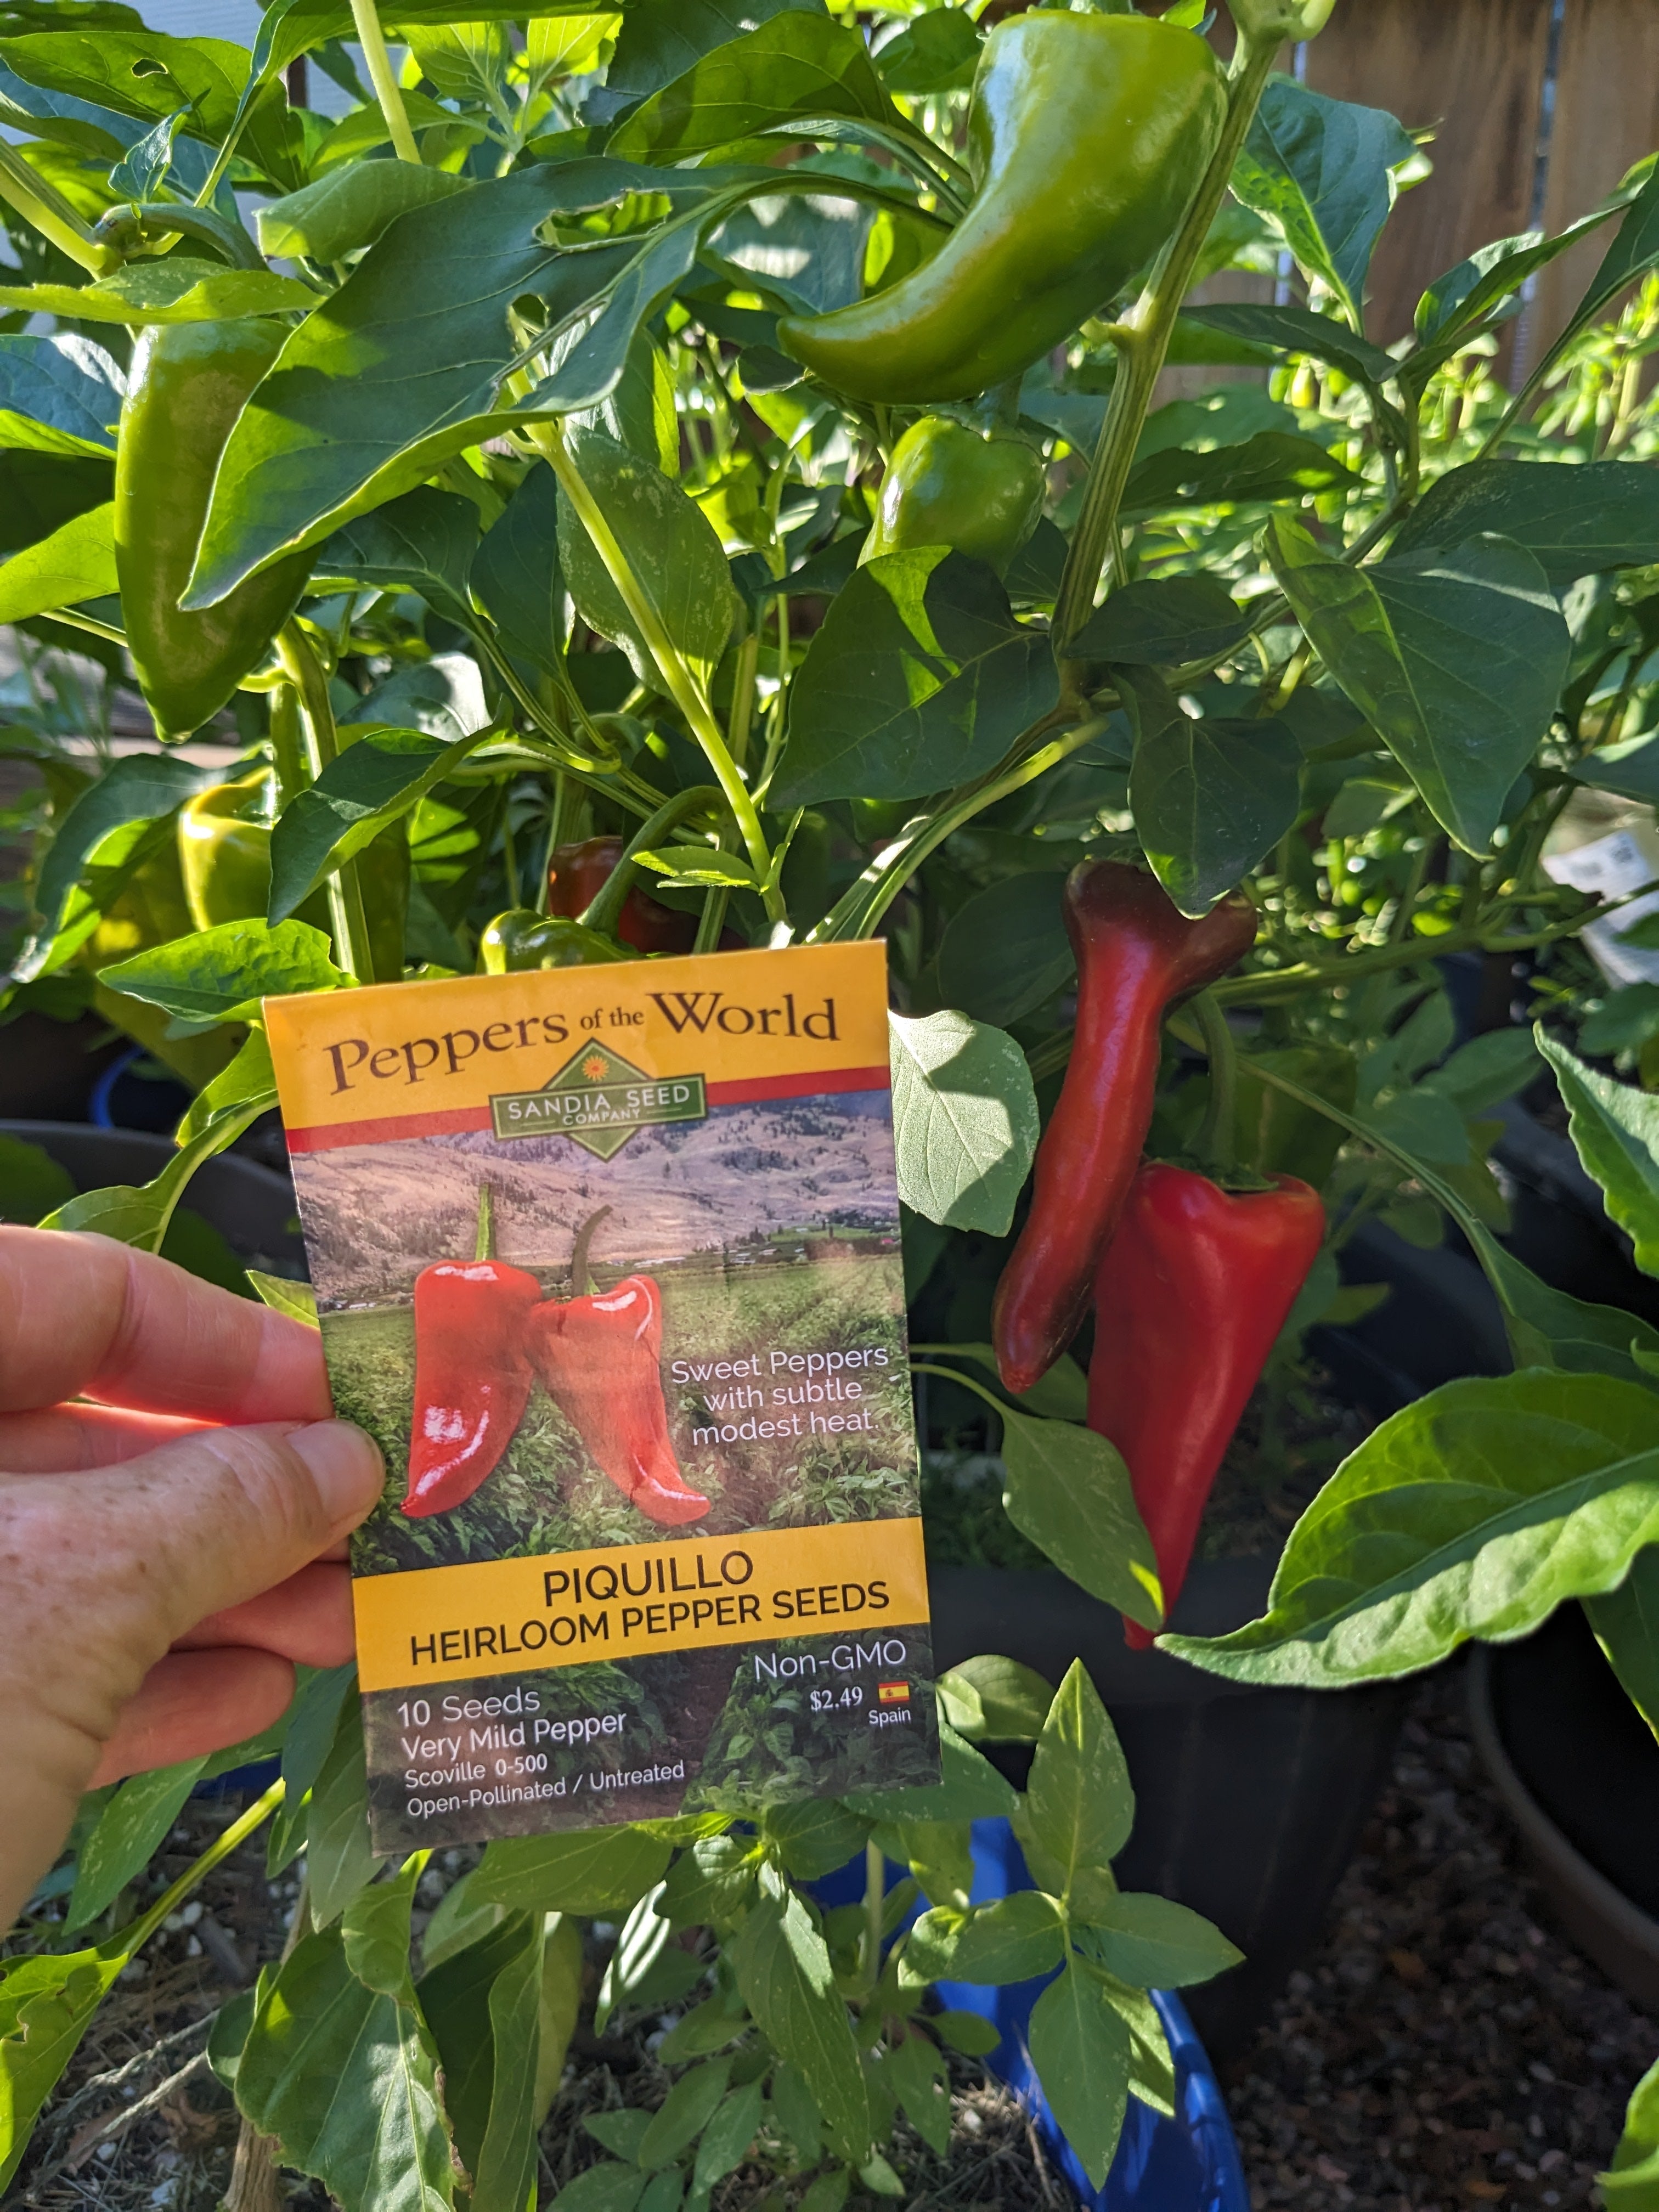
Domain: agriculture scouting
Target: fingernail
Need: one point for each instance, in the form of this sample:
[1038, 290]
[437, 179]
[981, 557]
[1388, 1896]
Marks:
[346, 1466]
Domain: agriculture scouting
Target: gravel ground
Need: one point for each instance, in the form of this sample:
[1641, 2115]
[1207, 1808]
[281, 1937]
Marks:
[1445, 2047]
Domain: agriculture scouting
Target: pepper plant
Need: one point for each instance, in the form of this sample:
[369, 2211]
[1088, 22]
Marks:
[633, 483]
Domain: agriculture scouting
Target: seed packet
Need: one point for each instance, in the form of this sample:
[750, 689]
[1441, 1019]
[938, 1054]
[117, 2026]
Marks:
[607, 1262]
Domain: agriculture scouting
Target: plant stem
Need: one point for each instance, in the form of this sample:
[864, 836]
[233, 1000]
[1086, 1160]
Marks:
[875, 1894]
[345, 897]
[136, 223]
[134, 1938]
[372, 39]
[604, 911]
[1215, 1135]
[287, 745]
[1144, 340]
[681, 685]
[711, 920]
[45, 209]
[483, 1246]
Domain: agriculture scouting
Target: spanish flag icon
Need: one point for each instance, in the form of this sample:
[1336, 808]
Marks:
[893, 1693]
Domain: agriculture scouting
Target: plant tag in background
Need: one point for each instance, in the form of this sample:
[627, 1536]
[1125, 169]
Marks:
[607, 1262]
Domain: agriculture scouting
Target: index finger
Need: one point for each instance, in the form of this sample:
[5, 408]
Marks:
[83, 1316]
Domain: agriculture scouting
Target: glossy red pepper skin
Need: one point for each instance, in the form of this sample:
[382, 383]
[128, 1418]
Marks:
[1136, 953]
[1189, 1296]
[578, 873]
[472, 1376]
[599, 1359]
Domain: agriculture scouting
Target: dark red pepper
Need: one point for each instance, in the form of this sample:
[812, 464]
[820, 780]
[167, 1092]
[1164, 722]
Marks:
[599, 1359]
[1136, 953]
[1189, 1296]
[576, 874]
[472, 1373]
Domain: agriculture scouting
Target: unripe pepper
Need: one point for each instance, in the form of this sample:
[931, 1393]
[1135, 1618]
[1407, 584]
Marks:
[1086, 136]
[521, 940]
[1135, 953]
[578, 873]
[1189, 1296]
[188, 385]
[948, 485]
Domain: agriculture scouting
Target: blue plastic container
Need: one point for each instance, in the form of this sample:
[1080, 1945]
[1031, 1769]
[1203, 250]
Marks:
[1187, 2164]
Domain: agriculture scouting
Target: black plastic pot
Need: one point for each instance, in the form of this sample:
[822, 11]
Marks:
[47, 1069]
[251, 1206]
[1579, 1771]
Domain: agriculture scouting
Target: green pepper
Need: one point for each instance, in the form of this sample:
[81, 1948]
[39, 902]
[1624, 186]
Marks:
[947, 486]
[521, 940]
[1086, 137]
[188, 385]
[224, 852]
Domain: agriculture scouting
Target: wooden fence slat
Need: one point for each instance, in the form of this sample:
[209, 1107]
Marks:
[1606, 116]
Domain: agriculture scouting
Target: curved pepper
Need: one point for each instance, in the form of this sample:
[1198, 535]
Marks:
[599, 1360]
[472, 1377]
[1189, 1296]
[224, 851]
[188, 385]
[576, 874]
[1136, 953]
[521, 940]
[1086, 136]
[947, 486]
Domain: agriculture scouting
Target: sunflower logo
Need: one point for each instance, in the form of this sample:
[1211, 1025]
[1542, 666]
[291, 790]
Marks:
[593, 1067]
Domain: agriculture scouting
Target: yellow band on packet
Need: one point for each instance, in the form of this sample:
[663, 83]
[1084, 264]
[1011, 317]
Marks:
[607, 1262]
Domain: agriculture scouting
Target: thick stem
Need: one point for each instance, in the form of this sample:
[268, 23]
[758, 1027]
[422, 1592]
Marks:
[1215, 1135]
[711, 920]
[1144, 338]
[581, 1278]
[134, 1938]
[372, 39]
[484, 1246]
[45, 209]
[683, 687]
[605, 911]
[345, 897]
[287, 744]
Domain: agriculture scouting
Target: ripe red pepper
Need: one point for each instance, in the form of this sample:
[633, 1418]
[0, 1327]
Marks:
[576, 874]
[472, 1374]
[599, 1359]
[1190, 1294]
[1136, 953]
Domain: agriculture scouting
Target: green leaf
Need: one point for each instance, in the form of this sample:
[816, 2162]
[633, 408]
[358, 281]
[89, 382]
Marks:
[313, 1717]
[375, 390]
[683, 2112]
[604, 2188]
[142, 788]
[1485, 1071]
[1210, 797]
[1633, 2183]
[348, 208]
[130, 1830]
[1323, 170]
[1013, 1940]
[31, 1183]
[374, 1929]
[1162, 621]
[660, 40]
[935, 52]
[75, 563]
[1004, 951]
[1614, 1128]
[964, 1120]
[1577, 521]
[1474, 1512]
[783, 1970]
[1069, 1491]
[481, 2007]
[1548, 1328]
[297, 1300]
[994, 1700]
[47, 2005]
[1299, 331]
[1634, 250]
[176, 290]
[139, 73]
[970, 2032]
[1153, 1942]
[1078, 1799]
[340, 1859]
[142, 1214]
[586, 1870]
[1626, 1625]
[1061, 1394]
[423, 542]
[1630, 767]
[59, 393]
[249, 1081]
[516, 576]
[371, 784]
[1456, 660]
[726, 2138]
[1080, 2045]
[785, 67]
[1271, 465]
[345, 2077]
[970, 1789]
[222, 974]
[814, 1835]
[920, 679]
[667, 542]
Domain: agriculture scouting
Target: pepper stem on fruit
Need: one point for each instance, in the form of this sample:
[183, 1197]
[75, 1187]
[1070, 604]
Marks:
[1215, 1135]
[484, 1245]
[581, 1281]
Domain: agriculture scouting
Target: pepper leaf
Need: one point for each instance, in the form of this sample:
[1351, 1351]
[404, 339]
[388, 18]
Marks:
[348, 208]
[1153, 1942]
[481, 2005]
[75, 563]
[516, 577]
[1068, 1489]
[1575, 522]
[1297, 331]
[1626, 1622]
[423, 542]
[222, 974]
[919, 680]
[339, 1859]
[176, 290]
[1160, 621]
[1004, 951]
[1474, 1512]
[1271, 465]
[47, 2005]
[1080, 2045]
[588, 1870]
[1615, 1128]
[59, 393]
[140, 788]
[783, 1970]
[1078, 1801]
[785, 67]
[372, 783]
[964, 1120]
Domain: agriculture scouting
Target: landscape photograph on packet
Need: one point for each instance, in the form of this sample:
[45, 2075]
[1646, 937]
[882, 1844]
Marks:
[629, 1333]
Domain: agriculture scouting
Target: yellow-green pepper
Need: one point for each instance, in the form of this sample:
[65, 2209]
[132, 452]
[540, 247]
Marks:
[521, 940]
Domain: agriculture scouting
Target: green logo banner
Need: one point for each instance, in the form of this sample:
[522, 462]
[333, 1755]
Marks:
[598, 1099]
